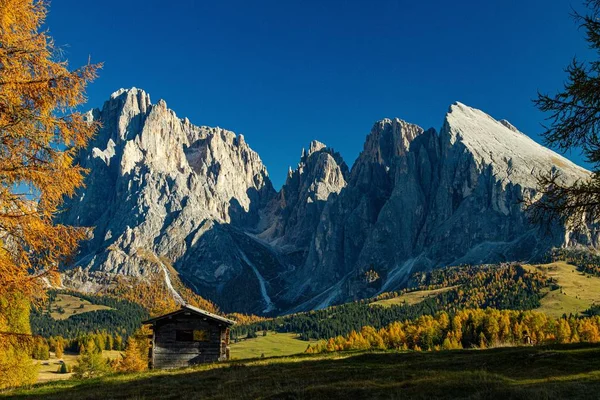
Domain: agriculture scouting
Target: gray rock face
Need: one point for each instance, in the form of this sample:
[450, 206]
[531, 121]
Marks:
[293, 215]
[156, 185]
[162, 192]
[417, 200]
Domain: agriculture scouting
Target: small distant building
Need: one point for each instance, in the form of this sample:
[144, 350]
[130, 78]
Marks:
[187, 337]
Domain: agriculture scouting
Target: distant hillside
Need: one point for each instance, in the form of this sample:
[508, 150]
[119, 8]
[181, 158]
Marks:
[573, 291]
[504, 286]
[411, 297]
[555, 289]
[70, 314]
[63, 305]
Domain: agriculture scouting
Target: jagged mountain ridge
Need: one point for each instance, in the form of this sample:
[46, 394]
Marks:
[163, 192]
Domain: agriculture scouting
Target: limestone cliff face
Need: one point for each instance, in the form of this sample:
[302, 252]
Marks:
[293, 215]
[418, 200]
[162, 192]
[375, 220]
[157, 183]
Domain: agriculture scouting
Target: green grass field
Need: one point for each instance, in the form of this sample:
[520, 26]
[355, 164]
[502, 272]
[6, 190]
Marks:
[578, 291]
[411, 298]
[272, 345]
[554, 372]
[72, 305]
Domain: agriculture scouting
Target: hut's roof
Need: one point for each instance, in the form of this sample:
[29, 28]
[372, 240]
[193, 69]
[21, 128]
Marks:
[192, 309]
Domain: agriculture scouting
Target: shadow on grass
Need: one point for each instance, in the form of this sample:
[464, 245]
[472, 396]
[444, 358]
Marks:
[562, 371]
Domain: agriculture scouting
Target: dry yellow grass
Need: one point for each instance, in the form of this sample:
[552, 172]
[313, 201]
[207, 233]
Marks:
[72, 306]
[411, 298]
[578, 291]
[48, 368]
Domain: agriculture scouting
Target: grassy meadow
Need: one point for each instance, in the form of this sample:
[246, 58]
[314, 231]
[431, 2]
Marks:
[72, 305]
[411, 298]
[48, 368]
[273, 345]
[578, 291]
[545, 372]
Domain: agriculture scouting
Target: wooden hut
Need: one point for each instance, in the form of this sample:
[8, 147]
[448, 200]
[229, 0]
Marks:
[188, 336]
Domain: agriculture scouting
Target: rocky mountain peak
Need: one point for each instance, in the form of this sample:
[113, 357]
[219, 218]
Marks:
[499, 145]
[508, 125]
[294, 213]
[315, 146]
[163, 192]
[154, 179]
[388, 140]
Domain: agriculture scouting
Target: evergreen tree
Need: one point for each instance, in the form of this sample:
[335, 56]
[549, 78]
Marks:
[574, 116]
[63, 368]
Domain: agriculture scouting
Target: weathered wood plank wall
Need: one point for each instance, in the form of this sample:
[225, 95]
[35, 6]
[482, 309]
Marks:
[168, 352]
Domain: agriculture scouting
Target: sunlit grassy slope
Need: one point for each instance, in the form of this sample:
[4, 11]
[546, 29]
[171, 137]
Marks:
[274, 344]
[411, 298]
[48, 368]
[557, 372]
[577, 292]
[72, 305]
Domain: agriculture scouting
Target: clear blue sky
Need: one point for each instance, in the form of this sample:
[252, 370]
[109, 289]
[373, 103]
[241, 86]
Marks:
[285, 72]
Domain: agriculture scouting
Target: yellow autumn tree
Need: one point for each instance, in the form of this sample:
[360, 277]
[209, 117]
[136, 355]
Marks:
[132, 360]
[40, 133]
[16, 366]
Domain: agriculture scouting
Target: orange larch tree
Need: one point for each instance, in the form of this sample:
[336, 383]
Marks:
[40, 132]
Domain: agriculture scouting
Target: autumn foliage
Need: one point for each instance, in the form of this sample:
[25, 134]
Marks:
[135, 358]
[39, 135]
[153, 294]
[16, 367]
[132, 360]
[469, 328]
[40, 132]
